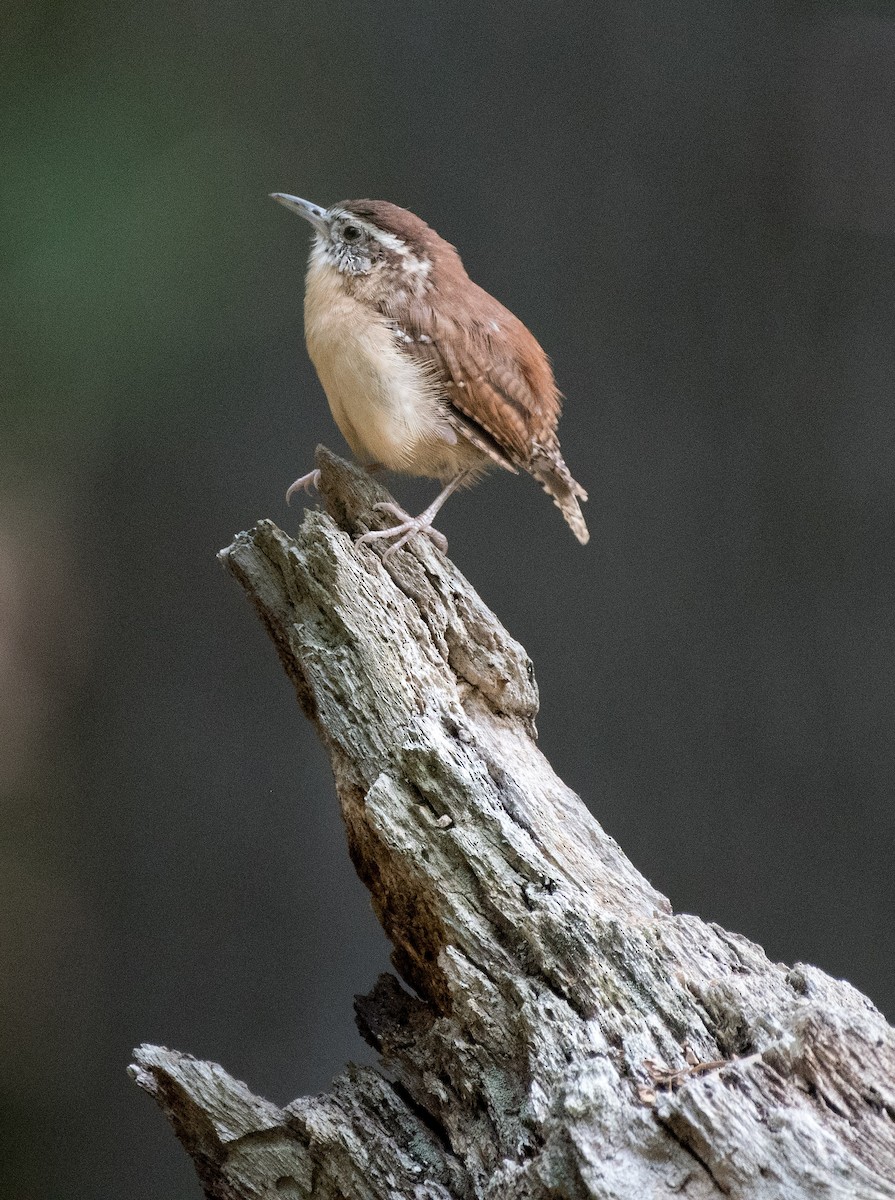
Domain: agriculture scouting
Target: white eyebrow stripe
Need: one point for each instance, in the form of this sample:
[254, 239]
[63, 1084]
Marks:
[388, 240]
[413, 264]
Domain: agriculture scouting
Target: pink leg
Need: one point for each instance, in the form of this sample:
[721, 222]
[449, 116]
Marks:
[311, 481]
[409, 526]
[304, 483]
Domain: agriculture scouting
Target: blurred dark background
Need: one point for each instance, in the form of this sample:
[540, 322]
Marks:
[693, 206]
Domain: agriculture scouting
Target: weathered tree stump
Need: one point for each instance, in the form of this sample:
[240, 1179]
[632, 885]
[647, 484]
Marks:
[566, 1034]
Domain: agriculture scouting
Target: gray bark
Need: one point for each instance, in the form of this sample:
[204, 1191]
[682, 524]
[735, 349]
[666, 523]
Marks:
[567, 1034]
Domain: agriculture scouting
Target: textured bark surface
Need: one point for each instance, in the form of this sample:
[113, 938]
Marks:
[566, 1034]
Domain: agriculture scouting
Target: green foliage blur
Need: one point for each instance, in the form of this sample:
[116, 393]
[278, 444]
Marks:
[123, 175]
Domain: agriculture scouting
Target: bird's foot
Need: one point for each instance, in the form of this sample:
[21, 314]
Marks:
[304, 483]
[406, 528]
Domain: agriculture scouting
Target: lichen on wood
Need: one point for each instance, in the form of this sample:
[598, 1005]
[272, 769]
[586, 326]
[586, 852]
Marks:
[554, 1029]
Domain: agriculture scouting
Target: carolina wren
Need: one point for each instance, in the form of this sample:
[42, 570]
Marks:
[425, 373]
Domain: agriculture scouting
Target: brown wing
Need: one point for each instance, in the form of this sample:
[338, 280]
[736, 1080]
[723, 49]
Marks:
[497, 380]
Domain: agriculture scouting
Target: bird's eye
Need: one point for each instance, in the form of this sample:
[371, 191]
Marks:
[351, 233]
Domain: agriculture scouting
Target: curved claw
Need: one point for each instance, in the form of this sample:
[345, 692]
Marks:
[304, 483]
[408, 526]
[436, 536]
[394, 510]
[411, 525]
[407, 529]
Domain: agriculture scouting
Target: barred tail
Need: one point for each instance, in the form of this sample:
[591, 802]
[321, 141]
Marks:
[555, 478]
[571, 510]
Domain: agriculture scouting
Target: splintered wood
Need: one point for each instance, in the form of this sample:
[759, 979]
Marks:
[554, 1030]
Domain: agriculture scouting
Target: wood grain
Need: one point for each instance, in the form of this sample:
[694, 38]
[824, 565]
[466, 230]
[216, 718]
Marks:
[556, 1031]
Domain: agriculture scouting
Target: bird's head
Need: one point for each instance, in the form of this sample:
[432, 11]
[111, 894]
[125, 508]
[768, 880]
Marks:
[374, 245]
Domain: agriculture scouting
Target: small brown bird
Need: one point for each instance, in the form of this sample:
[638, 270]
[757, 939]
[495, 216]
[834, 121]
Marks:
[425, 373]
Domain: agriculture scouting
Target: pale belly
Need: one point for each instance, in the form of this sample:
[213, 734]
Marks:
[386, 407]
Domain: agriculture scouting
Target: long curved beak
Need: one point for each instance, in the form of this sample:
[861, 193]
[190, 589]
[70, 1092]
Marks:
[311, 212]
